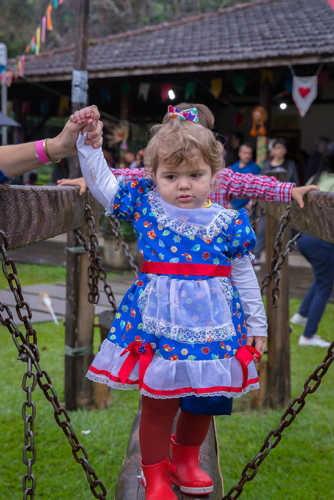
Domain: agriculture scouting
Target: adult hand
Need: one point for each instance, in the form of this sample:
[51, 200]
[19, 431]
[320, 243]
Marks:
[298, 193]
[79, 181]
[63, 145]
[260, 344]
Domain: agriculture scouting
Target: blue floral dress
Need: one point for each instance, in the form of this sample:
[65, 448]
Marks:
[173, 335]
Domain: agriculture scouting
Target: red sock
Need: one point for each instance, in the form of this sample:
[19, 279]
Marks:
[191, 430]
[156, 422]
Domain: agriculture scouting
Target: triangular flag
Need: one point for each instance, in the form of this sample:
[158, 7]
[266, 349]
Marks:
[216, 86]
[55, 3]
[43, 28]
[143, 90]
[190, 90]
[48, 18]
[304, 91]
[38, 39]
[164, 88]
[331, 3]
[22, 65]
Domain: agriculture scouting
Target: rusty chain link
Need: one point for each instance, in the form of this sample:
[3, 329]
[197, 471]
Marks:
[28, 353]
[116, 230]
[274, 436]
[279, 256]
[96, 271]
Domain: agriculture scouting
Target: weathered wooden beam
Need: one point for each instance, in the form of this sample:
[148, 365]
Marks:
[316, 218]
[277, 385]
[33, 213]
[129, 487]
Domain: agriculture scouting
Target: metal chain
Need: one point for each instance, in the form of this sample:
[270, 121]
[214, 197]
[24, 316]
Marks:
[115, 226]
[276, 271]
[96, 271]
[279, 256]
[274, 436]
[255, 214]
[28, 352]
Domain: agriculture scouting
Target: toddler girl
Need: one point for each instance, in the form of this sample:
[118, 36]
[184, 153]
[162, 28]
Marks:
[186, 325]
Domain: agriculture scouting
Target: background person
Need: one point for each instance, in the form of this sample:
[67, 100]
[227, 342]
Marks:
[245, 165]
[320, 254]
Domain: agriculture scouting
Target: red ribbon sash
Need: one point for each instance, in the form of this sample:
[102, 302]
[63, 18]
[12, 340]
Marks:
[185, 269]
[137, 352]
[245, 355]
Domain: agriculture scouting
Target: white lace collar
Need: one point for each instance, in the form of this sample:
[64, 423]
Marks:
[177, 219]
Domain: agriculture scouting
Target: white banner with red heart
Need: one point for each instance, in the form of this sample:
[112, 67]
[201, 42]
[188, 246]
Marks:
[304, 91]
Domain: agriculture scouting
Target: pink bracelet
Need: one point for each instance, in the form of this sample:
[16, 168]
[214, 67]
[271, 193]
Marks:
[40, 152]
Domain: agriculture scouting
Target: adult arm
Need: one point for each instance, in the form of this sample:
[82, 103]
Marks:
[235, 185]
[20, 158]
[231, 185]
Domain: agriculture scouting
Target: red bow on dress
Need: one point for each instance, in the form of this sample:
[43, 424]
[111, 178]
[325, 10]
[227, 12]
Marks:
[245, 355]
[137, 352]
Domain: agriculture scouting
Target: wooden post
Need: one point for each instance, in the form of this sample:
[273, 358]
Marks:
[278, 385]
[79, 313]
[279, 379]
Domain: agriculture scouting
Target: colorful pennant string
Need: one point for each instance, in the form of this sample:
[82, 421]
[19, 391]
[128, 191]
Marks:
[34, 46]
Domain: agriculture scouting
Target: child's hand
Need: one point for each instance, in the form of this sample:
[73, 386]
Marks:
[260, 344]
[86, 115]
[298, 193]
[79, 181]
[88, 120]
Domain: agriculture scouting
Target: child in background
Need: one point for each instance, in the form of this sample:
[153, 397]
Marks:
[188, 323]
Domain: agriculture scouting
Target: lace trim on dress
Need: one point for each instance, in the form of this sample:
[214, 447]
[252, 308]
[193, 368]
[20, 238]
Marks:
[189, 335]
[186, 228]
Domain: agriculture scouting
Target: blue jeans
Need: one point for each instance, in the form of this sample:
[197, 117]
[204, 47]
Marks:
[320, 255]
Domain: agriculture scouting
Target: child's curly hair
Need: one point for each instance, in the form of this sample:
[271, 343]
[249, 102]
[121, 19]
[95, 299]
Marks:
[176, 141]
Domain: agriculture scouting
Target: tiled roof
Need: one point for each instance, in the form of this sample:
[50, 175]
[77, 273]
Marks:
[264, 32]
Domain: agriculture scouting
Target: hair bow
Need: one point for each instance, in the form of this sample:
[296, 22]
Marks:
[190, 114]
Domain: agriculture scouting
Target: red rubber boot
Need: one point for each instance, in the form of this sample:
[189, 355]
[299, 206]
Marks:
[157, 481]
[189, 477]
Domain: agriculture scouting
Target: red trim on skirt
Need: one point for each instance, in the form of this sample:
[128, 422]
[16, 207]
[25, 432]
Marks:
[174, 392]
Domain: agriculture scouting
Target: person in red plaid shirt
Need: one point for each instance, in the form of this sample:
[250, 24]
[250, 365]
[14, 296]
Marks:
[228, 184]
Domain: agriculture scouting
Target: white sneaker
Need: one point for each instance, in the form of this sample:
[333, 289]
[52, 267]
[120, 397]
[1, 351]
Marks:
[298, 319]
[315, 340]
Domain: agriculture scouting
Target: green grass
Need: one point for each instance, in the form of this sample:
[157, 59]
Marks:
[31, 274]
[299, 468]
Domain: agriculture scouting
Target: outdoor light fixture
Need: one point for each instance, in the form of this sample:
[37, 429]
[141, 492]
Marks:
[283, 106]
[171, 94]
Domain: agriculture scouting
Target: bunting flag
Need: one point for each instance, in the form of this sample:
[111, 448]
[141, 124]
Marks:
[216, 86]
[304, 92]
[125, 88]
[64, 105]
[164, 88]
[143, 90]
[48, 18]
[35, 44]
[38, 40]
[190, 90]
[331, 4]
[22, 65]
[43, 28]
